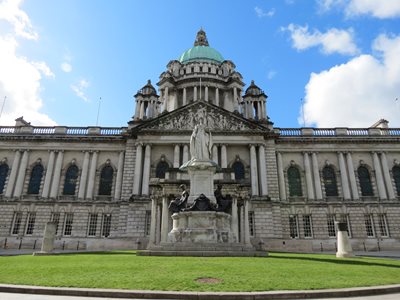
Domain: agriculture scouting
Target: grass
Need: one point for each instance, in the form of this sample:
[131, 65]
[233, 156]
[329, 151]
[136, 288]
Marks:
[124, 270]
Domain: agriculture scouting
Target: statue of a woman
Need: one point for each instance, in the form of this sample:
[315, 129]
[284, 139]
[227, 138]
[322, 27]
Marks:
[200, 143]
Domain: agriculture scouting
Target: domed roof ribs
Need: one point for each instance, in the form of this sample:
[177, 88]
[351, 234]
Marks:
[201, 38]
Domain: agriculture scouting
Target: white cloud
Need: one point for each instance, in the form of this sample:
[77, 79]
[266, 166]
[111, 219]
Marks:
[79, 89]
[20, 78]
[17, 18]
[359, 92]
[271, 74]
[66, 67]
[333, 41]
[261, 13]
[377, 8]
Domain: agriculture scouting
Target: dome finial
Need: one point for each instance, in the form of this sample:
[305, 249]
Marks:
[201, 38]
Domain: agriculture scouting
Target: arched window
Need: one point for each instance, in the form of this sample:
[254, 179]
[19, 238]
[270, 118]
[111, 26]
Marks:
[396, 177]
[3, 176]
[35, 180]
[329, 176]
[106, 180]
[365, 181]
[70, 180]
[161, 168]
[238, 168]
[294, 182]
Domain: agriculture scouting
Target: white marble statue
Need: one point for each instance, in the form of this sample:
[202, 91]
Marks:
[200, 142]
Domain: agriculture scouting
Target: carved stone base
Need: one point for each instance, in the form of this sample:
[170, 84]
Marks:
[201, 227]
[201, 174]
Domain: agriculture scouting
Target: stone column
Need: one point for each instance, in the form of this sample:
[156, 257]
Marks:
[235, 99]
[82, 182]
[343, 177]
[164, 220]
[158, 225]
[166, 95]
[195, 93]
[246, 222]
[146, 170]
[234, 220]
[309, 183]
[281, 177]
[13, 175]
[49, 175]
[206, 93]
[253, 171]
[386, 175]
[215, 153]
[379, 177]
[184, 97]
[92, 176]
[176, 156]
[138, 170]
[262, 170]
[352, 177]
[217, 96]
[21, 174]
[57, 175]
[264, 111]
[153, 223]
[317, 178]
[120, 171]
[185, 156]
[224, 157]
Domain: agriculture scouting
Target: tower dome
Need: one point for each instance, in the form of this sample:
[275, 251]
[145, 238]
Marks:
[201, 51]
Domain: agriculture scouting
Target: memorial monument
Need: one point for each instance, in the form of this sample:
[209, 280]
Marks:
[205, 223]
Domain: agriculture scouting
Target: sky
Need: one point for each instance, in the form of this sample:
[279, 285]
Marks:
[322, 63]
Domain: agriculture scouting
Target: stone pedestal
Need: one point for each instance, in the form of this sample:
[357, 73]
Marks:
[344, 248]
[201, 227]
[201, 175]
[48, 239]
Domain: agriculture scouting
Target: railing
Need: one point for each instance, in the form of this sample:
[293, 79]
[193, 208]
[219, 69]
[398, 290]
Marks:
[62, 130]
[339, 131]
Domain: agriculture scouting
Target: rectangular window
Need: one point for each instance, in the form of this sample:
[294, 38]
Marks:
[293, 226]
[369, 225]
[307, 225]
[383, 225]
[147, 222]
[106, 225]
[55, 218]
[92, 225]
[16, 224]
[31, 223]
[251, 223]
[344, 218]
[69, 219]
[330, 220]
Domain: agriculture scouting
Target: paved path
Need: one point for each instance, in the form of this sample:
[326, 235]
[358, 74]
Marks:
[9, 296]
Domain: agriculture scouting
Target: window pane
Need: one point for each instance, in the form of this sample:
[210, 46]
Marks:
[3, 176]
[70, 180]
[294, 182]
[330, 220]
[106, 180]
[396, 177]
[69, 218]
[55, 218]
[16, 222]
[106, 227]
[162, 167]
[307, 225]
[369, 225]
[383, 226]
[238, 169]
[35, 180]
[365, 182]
[92, 225]
[31, 223]
[329, 177]
[251, 223]
[293, 226]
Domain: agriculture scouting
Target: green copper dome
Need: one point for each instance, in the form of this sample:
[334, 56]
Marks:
[201, 51]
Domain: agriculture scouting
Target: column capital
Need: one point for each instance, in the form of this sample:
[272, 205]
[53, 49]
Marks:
[137, 144]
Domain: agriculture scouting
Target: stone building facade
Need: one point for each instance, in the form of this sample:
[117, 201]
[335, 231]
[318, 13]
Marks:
[108, 188]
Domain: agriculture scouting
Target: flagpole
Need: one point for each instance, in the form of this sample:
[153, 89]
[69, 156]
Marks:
[2, 107]
[98, 113]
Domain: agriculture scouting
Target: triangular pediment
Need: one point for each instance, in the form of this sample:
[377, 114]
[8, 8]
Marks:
[214, 117]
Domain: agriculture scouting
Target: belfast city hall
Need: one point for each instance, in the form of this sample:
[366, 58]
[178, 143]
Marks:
[113, 188]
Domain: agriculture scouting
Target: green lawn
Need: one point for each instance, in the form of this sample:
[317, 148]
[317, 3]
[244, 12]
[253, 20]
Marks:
[124, 270]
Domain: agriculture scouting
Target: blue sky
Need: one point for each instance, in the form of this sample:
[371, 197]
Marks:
[342, 57]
